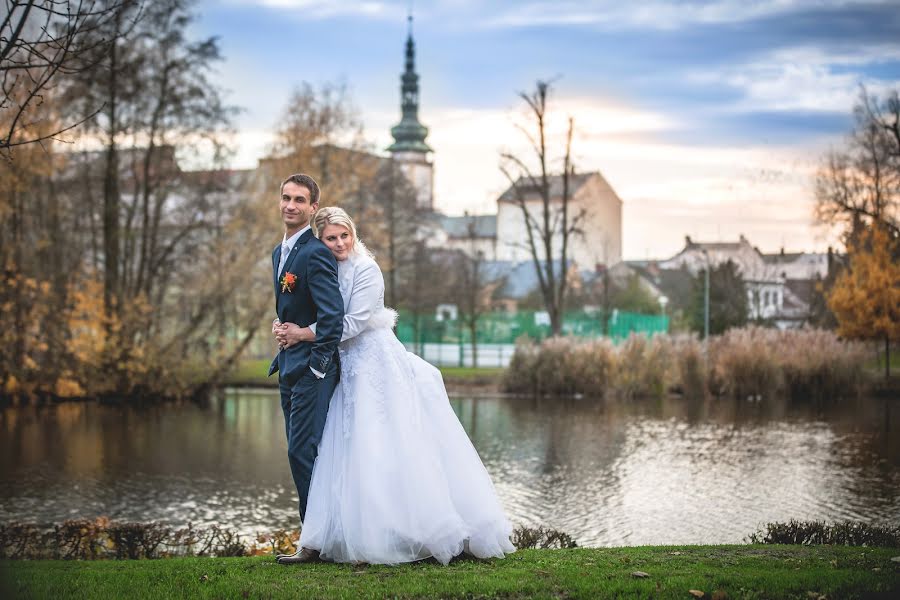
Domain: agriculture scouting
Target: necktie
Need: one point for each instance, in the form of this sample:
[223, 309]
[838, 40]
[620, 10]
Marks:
[285, 250]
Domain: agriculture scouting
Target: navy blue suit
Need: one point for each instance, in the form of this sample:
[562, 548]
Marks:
[315, 298]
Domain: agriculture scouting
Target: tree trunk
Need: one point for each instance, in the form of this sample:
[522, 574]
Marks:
[111, 196]
[18, 278]
[473, 327]
[555, 320]
[887, 357]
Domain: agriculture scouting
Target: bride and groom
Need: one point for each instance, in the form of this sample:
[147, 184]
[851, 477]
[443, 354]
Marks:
[384, 471]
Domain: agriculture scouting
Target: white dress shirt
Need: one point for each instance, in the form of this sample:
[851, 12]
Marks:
[287, 244]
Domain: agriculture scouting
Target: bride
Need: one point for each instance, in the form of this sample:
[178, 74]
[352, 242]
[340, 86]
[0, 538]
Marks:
[396, 478]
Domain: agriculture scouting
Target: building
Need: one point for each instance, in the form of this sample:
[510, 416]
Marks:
[779, 286]
[409, 148]
[472, 234]
[502, 236]
[593, 202]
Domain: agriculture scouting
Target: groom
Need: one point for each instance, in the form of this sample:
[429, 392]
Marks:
[306, 291]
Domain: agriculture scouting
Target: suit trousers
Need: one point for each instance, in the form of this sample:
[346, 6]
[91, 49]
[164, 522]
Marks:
[305, 406]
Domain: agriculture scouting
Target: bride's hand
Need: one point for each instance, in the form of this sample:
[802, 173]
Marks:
[289, 334]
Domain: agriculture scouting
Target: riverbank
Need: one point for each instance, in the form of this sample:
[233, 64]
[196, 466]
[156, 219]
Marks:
[252, 373]
[751, 571]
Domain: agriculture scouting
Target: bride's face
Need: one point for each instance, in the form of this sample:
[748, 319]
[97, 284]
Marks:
[338, 239]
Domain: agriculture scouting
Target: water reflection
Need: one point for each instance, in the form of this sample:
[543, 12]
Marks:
[609, 473]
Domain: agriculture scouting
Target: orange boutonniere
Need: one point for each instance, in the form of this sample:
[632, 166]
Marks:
[288, 281]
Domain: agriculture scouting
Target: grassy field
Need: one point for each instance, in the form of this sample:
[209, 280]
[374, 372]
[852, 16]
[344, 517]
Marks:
[253, 372]
[877, 365]
[749, 571]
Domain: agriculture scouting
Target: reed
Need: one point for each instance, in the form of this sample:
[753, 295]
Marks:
[645, 367]
[748, 363]
[810, 364]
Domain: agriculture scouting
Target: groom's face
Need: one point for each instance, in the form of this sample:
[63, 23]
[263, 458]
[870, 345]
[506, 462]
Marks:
[296, 208]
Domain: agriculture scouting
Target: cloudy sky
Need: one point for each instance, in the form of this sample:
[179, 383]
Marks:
[707, 117]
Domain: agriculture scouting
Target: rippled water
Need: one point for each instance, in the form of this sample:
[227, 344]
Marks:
[609, 473]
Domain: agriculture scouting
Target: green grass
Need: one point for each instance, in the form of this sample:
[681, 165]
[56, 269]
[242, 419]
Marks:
[469, 376]
[749, 571]
[877, 366]
[253, 372]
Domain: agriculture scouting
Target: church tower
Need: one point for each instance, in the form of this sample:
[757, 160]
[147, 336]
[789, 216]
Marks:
[409, 148]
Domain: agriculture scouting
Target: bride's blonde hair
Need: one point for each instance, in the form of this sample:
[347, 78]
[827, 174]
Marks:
[334, 215]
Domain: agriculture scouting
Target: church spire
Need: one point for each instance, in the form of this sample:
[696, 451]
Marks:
[409, 134]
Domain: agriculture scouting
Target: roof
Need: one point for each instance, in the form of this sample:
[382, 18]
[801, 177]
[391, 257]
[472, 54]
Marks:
[801, 290]
[480, 226]
[690, 244]
[226, 179]
[556, 186]
[521, 277]
[782, 257]
[676, 284]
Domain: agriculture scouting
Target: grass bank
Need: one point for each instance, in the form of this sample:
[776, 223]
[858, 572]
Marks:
[747, 571]
[253, 373]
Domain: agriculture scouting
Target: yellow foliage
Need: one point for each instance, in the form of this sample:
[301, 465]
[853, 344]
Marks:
[67, 388]
[866, 298]
[88, 322]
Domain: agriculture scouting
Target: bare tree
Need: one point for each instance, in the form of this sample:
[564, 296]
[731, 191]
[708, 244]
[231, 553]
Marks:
[550, 219]
[158, 102]
[860, 183]
[399, 253]
[319, 132]
[422, 284]
[40, 43]
[473, 285]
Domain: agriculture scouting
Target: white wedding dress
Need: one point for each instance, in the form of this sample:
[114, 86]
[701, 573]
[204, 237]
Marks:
[396, 478]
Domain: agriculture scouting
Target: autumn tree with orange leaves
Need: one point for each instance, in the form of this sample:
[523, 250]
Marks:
[866, 297]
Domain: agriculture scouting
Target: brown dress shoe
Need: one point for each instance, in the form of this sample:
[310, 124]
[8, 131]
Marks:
[282, 555]
[303, 555]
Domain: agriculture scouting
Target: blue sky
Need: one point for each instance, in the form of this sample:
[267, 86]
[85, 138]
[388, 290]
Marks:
[708, 118]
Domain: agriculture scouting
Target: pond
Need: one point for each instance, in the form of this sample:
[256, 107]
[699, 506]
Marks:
[666, 471]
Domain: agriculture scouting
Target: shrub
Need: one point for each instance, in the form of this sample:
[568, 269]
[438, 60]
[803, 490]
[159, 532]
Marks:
[541, 537]
[84, 539]
[811, 533]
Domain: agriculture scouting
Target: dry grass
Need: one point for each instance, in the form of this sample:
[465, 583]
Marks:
[751, 362]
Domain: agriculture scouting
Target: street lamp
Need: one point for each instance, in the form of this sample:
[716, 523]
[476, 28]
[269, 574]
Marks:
[663, 300]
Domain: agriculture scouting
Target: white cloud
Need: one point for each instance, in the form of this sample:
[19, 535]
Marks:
[326, 9]
[799, 78]
[668, 190]
[250, 145]
[654, 14]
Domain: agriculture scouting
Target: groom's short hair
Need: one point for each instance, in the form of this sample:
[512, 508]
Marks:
[307, 182]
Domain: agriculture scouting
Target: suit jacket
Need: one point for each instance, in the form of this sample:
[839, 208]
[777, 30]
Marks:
[314, 298]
